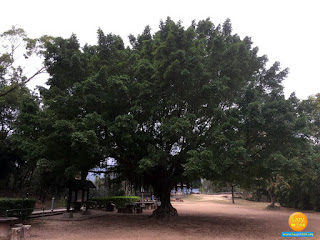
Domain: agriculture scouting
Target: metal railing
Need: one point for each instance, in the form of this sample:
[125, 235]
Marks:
[20, 213]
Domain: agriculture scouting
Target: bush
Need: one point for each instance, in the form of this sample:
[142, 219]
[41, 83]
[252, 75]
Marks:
[119, 201]
[297, 197]
[16, 203]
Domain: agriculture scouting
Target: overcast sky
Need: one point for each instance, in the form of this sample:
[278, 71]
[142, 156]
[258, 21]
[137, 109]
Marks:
[286, 31]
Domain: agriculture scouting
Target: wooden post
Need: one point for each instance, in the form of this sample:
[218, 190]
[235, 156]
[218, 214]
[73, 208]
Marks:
[87, 204]
[232, 190]
[69, 200]
[82, 197]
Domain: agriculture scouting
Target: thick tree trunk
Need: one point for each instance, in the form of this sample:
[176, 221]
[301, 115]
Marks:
[162, 186]
[42, 195]
[272, 197]
[165, 210]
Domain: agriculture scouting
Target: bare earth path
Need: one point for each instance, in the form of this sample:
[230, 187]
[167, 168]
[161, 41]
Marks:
[200, 217]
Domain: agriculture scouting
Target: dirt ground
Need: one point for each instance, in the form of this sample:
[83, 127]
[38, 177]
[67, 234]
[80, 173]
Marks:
[201, 217]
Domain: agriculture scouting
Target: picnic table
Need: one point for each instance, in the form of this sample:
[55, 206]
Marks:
[5, 226]
[145, 205]
[136, 207]
[129, 208]
[150, 205]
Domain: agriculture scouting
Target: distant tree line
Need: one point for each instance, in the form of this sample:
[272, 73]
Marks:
[173, 107]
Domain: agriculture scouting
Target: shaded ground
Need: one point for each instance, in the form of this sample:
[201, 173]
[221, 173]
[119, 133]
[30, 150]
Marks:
[201, 217]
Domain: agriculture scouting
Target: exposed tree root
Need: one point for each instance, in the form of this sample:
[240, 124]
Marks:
[165, 213]
[272, 207]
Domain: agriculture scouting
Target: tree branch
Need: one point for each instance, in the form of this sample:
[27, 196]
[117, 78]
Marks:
[23, 82]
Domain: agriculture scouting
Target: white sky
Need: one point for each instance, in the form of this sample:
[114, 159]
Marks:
[286, 31]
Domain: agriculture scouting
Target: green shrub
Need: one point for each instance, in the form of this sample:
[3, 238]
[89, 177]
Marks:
[16, 203]
[119, 201]
[297, 197]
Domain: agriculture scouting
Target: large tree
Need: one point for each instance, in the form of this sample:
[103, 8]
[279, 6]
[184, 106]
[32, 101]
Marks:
[185, 90]
[175, 106]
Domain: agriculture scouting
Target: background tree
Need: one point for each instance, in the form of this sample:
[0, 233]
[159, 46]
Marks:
[68, 129]
[15, 43]
[14, 96]
[87, 94]
[15, 107]
[304, 190]
[273, 131]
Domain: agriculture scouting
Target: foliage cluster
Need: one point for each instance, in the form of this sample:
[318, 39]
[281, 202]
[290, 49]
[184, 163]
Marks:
[16, 203]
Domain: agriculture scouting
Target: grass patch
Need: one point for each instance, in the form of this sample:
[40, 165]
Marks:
[194, 197]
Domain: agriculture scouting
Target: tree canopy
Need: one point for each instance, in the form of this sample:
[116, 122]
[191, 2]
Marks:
[176, 105]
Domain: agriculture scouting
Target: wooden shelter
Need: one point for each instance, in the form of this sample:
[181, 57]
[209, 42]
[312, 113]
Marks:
[78, 193]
